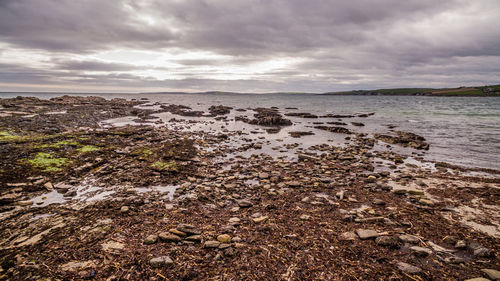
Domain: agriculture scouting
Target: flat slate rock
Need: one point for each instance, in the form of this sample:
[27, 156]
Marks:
[161, 261]
[408, 268]
[492, 274]
[367, 233]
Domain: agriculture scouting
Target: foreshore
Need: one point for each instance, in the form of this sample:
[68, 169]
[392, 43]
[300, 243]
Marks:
[106, 190]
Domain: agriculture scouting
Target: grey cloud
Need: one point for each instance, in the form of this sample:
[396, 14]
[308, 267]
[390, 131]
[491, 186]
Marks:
[357, 44]
[92, 65]
[76, 26]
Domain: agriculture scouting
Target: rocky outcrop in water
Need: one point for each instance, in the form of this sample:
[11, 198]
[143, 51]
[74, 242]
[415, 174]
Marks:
[269, 117]
[404, 139]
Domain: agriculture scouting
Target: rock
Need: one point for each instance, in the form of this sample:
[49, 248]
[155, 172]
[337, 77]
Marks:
[62, 187]
[366, 233]
[234, 220]
[305, 217]
[25, 203]
[454, 260]
[408, 268]
[224, 238]
[378, 202]
[194, 238]
[211, 244]
[478, 279]
[48, 186]
[387, 241]
[73, 266]
[461, 244]
[236, 239]
[229, 252]
[491, 273]
[189, 229]
[438, 249]
[416, 192]
[113, 246]
[479, 250]
[151, 239]
[260, 219]
[294, 184]
[307, 157]
[426, 202]
[224, 245]
[371, 179]
[347, 236]
[168, 237]
[124, 209]
[161, 261]
[177, 232]
[263, 175]
[245, 204]
[406, 238]
[420, 251]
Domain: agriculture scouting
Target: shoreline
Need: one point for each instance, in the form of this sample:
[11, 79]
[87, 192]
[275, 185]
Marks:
[321, 212]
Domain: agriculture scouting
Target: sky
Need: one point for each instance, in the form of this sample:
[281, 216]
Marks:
[247, 45]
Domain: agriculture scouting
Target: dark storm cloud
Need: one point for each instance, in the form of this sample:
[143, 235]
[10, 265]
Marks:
[337, 44]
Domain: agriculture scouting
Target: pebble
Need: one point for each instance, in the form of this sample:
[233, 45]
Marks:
[151, 239]
[420, 251]
[194, 238]
[263, 175]
[366, 233]
[426, 202]
[387, 241]
[161, 261]
[406, 238]
[124, 209]
[48, 186]
[188, 229]
[25, 203]
[211, 244]
[347, 236]
[177, 232]
[245, 204]
[260, 219]
[224, 238]
[166, 236]
[461, 244]
[491, 273]
[478, 279]
[113, 246]
[378, 202]
[305, 217]
[408, 268]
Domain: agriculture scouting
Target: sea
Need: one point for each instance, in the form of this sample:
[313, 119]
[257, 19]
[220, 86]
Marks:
[463, 131]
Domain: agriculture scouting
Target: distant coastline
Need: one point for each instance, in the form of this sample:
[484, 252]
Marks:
[479, 91]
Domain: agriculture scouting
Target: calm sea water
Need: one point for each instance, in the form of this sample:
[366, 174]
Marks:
[460, 130]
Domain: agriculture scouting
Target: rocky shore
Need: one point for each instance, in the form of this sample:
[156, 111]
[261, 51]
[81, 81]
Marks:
[83, 197]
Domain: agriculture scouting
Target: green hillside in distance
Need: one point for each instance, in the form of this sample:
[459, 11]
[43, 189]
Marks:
[490, 90]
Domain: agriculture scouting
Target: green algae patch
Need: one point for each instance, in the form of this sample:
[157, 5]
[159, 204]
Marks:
[143, 153]
[47, 162]
[165, 166]
[7, 136]
[88, 148]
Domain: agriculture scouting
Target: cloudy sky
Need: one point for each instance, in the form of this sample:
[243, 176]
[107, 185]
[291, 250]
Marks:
[247, 45]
